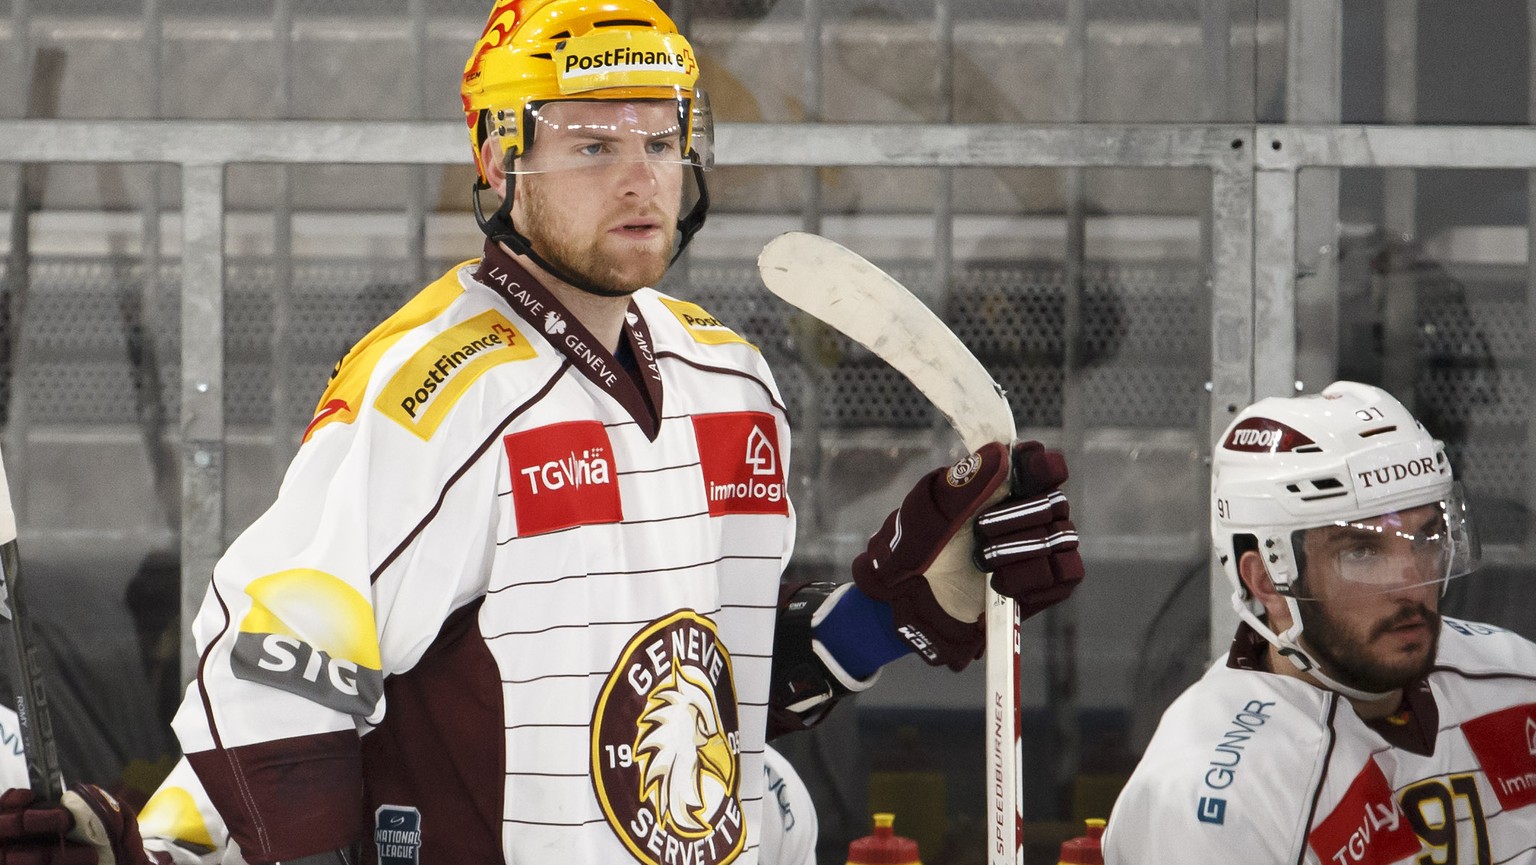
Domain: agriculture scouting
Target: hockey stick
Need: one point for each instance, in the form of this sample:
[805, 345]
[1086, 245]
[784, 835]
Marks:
[20, 664]
[865, 304]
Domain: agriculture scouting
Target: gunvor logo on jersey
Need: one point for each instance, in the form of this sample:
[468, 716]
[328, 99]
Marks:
[740, 461]
[704, 327]
[422, 391]
[666, 746]
[311, 634]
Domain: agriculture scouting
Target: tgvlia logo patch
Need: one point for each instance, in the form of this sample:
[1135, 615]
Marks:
[397, 834]
[1367, 827]
[666, 746]
[742, 465]
[563, 475]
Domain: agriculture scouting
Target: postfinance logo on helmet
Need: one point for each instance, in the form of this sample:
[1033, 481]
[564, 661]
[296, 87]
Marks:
[534, 51]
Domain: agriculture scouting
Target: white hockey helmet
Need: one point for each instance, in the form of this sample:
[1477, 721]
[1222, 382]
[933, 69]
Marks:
[1349, 456]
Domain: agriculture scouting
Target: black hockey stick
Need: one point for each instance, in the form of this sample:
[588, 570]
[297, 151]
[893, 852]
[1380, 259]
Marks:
[19, 659]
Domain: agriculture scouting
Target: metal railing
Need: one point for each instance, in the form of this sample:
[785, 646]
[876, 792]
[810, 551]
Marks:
[1252, 240]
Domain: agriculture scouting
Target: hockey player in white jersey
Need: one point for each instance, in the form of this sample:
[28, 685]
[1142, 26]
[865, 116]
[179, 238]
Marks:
[519, 597]
[1351, 723]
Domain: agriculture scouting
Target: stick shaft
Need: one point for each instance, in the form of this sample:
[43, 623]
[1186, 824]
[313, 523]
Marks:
[23, 673]
[864, 303]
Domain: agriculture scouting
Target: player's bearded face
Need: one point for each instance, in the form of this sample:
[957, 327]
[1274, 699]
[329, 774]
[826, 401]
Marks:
[603, 196]
[1371, 640]
[1381, 654]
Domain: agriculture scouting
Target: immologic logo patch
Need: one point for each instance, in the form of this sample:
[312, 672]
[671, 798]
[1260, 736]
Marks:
[420, 394]
[705, 328]
[666, 746]
[562, 475]
[1367, 827]
[624, 58]
[741, 463]
[311, 634]
[1505, 745]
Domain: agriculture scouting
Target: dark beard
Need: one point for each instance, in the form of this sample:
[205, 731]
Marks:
[1347, 660]
[546, 237]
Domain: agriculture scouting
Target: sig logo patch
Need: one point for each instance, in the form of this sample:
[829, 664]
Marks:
[1367, 827]
[311, 634]
[704, 327]
[666, 746]
[420, 394]
[397, 835]
[173, 813]
[741, 462]
[563, 475]
[1505, 745]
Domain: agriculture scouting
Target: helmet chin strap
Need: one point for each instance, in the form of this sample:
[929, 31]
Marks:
[1289, 644]
[498, 227]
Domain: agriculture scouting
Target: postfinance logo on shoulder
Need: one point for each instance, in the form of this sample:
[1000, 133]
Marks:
[311, 634]
[704, 327]
[427, 385]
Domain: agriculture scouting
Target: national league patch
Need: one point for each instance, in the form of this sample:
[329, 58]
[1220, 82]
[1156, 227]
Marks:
[397, 834]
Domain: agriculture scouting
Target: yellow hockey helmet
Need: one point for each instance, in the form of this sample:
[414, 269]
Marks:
[534, 51]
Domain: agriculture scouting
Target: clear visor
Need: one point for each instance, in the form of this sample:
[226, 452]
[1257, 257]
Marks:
[1424, 545]
[597, 134]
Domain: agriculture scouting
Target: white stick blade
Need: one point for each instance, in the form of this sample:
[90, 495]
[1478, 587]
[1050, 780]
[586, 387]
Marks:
[837, 286]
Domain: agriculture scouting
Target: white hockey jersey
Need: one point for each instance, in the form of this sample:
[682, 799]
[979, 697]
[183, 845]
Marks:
[180, 822]
[1256, 768]
[512, 602]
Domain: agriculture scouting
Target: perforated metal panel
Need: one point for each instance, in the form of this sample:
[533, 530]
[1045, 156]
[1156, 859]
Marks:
[1143, 357]
[87, 357]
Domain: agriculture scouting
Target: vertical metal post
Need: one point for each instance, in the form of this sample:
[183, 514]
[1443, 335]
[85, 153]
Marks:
[1234, 240]
[1399, 367]
[1313, 87]
[810, 454]
[285, 424]
[153, 419]
[416, 206]
[1530, 293]
[202, 391]
[1061, 620]
[18, 267]
[810, 49]
[944, 204]
[1274, 280]
[1216, 44]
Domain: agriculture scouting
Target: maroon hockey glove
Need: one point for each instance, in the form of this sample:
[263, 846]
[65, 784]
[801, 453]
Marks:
[87, 828]
[1027, 541]
[921, 561]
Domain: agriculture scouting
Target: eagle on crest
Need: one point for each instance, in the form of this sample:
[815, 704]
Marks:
[687, 766]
